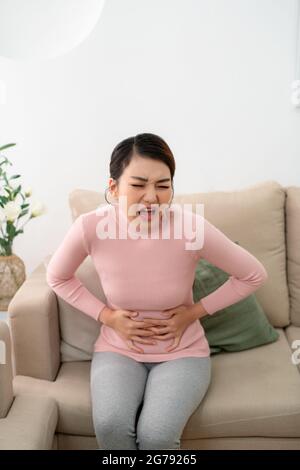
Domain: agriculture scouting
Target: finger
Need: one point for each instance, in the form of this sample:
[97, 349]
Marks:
[143, 341]
[163, 337]
[148, 326]
[174, 345]
[168, 312]
[134, 314]
[160, 329]
[155, 321]
[140, 332]
[130, 313]
[136, 322]
[134, 348]
[150, 321]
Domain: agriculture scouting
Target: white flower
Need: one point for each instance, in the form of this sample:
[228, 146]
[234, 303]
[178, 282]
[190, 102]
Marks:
[28, 191]
[37, 208]
[11, 210]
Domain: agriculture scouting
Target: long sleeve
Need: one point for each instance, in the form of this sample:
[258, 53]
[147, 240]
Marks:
[62, 266]
[247, 273]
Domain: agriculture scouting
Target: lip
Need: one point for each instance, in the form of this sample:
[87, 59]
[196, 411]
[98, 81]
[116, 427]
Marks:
[148, 210]
[146, 213]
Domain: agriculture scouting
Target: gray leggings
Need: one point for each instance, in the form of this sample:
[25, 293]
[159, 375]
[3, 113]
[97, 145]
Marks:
[145, 405]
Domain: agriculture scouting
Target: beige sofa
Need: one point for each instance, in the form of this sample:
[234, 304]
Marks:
[26, 422]
[253, 401]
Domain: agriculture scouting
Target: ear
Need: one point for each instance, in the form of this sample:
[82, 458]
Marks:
[113, 187]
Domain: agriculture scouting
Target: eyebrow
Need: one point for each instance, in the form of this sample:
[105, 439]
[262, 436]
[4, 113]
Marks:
[146, 179]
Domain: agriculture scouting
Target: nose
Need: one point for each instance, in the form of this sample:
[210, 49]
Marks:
[150, 196]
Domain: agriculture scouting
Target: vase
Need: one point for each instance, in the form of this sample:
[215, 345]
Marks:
[12, 276]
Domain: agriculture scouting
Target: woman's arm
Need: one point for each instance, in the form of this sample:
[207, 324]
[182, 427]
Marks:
[62, 266]
[247, 273]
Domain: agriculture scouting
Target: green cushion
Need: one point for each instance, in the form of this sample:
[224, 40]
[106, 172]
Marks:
[242, 325]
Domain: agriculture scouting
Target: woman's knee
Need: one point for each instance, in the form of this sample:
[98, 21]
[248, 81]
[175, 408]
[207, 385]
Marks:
[112, 425]
[153, 438]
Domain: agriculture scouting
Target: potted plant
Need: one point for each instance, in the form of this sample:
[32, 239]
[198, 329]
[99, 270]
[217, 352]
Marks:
[14, 206]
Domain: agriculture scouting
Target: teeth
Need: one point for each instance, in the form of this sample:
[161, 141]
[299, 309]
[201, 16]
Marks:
[146, 211]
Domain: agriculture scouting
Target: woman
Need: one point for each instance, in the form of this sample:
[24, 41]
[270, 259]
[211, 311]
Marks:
[151, 363]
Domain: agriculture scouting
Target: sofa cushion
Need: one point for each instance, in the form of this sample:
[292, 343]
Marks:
[30, 424]
[252, 393]
[78, 331]
[71, 390]
[242, 325]
[293, 250]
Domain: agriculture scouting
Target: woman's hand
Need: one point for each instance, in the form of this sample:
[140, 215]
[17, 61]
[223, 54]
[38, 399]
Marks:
[130, 330]
[178, 319]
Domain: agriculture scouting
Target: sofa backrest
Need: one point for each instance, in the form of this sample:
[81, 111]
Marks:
[253, 216]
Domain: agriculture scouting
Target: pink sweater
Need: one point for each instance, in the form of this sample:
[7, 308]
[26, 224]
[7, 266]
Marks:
[149, 276]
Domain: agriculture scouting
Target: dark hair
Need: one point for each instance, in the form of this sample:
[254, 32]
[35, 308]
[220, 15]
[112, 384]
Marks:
[147, 145]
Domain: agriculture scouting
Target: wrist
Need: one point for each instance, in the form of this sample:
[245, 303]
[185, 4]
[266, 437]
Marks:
[198, 311]
[105, 316]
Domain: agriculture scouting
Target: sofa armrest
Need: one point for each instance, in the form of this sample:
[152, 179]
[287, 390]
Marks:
[6, 375]
[30, 424]
[34, 324]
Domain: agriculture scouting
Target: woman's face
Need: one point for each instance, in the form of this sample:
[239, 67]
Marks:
[144, 181]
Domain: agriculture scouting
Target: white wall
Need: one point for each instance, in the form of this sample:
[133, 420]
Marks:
[212, 77]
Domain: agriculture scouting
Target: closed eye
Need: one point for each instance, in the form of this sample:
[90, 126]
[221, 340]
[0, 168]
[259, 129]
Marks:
[141, 186]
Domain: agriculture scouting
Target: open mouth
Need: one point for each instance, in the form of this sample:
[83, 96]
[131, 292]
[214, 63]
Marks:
[147, 213]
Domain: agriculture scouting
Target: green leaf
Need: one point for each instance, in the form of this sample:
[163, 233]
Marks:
[6, 146]
[16, 191]
[14, 176]
[23, 213]
[10, 228]
[3, 200]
